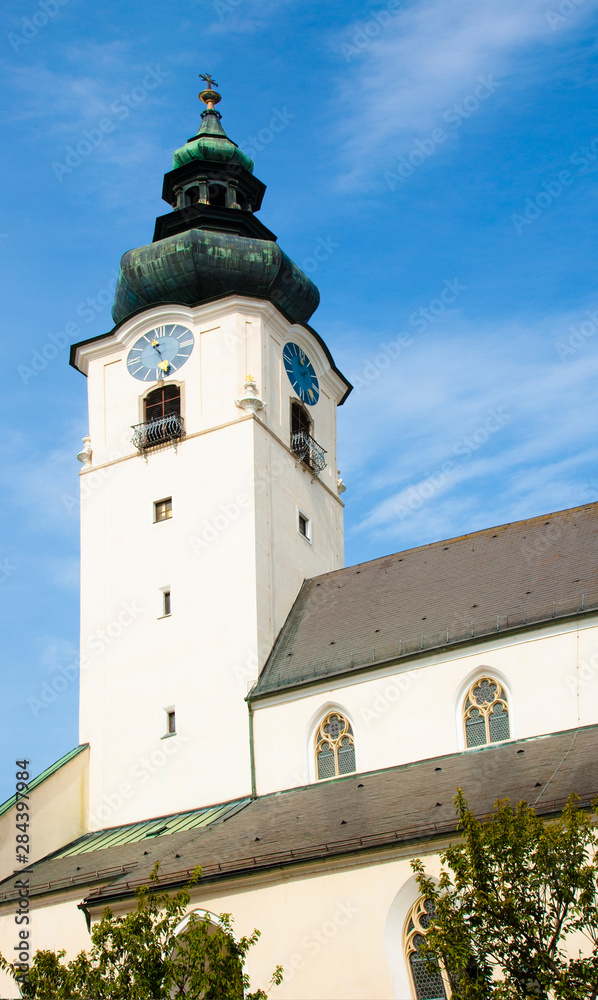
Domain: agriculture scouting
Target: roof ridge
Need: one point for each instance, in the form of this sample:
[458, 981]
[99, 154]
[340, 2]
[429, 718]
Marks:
[456, 538]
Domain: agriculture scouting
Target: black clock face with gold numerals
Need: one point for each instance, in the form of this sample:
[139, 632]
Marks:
[160, 352]
[301, 372]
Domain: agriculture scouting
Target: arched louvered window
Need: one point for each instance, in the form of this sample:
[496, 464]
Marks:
[162, 411]
[163, 402]
[486, 713]
[427, 980]
[335, 747]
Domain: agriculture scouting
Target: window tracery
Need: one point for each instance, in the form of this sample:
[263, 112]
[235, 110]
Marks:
[486, 713]
[427, 979]
[334, 747]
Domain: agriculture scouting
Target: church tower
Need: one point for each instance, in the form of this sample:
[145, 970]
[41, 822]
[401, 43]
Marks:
[209, 488]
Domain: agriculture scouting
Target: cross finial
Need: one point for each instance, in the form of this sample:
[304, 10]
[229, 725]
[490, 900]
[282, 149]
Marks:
[209, 80]
[209, 96]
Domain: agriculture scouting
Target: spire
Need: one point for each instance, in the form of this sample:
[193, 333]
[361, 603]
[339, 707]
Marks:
[212, 244]
[210, 119]
[211, 141]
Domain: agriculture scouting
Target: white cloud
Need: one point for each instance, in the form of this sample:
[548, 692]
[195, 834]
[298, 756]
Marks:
[481, 423]
[429, 56]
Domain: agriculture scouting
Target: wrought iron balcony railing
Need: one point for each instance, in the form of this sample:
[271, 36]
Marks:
[157, 431]
[309, 451]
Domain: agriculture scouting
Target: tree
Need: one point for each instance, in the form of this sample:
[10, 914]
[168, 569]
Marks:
[510, 893]
[140, 956]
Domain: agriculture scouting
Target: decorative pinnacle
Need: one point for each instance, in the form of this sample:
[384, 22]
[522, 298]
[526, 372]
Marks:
[210, 97]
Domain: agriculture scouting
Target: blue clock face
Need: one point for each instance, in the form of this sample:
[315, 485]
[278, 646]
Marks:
[160, 352]
[301, 374]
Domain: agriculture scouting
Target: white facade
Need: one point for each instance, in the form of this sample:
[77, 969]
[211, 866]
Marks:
[231, 555]
[413, 711]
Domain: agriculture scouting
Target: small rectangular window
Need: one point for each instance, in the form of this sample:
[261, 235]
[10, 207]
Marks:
[171, 721]
[166, 602]
[304, 525]
[163, 509]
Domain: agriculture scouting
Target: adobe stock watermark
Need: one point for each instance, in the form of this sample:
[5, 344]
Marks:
[364, 32]
[590, 490]
[323, 249]
[121, 108]
[454, 116]
[535, 551]
[415, 497]
[382, 700]
[229, 512]
[89, 482]
[551, 190]
[143, 769]
[319, 937]
[420, 319]
[99, 640]
[7, 569]
[586, 673]
[46, 11]
[564, 11]
[87, 310]
[578, 336]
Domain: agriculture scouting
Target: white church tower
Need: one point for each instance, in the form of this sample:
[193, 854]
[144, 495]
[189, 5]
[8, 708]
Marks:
[209, 488]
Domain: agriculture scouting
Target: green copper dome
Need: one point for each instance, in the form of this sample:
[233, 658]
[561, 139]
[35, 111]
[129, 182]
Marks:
[211, 244]
[211, 144]
[198, 265]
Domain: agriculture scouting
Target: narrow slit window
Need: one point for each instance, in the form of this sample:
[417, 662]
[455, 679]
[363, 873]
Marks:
[304, 525]
[171, 721]
[166, 602]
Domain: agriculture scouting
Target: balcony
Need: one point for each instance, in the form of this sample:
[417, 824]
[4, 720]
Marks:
[309, 451]
[158, 431]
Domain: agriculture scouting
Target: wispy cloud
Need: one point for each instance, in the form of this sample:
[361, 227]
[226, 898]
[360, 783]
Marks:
[496, 425]
[429, 55]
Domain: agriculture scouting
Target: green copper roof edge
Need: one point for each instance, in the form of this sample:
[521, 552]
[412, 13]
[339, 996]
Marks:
[218, 812]
[35, 782]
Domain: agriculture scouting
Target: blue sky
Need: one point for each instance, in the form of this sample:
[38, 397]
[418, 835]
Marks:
[445, 154]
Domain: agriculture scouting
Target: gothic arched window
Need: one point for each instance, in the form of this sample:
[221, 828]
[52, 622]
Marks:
[334, 747]
[427, 980]
[486, 713]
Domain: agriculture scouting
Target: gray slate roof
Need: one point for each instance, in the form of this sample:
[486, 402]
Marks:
[344, 816]
[436, 595]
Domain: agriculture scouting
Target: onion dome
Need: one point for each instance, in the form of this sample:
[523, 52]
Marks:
[211, 244]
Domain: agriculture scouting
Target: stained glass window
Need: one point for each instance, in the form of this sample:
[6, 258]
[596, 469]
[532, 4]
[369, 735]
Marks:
[335, 747]
[486, 713]
[428, 982]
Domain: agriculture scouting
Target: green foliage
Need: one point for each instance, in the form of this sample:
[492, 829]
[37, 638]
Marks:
[510, 893]
[139, 956]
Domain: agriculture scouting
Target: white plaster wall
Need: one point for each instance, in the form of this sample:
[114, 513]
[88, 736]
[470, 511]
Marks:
[337, 930]
[54, 926]
[57, 814]
[231, 556]
[413, 711]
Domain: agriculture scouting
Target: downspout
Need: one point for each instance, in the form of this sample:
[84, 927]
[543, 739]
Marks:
[82, 906]
[251, 750]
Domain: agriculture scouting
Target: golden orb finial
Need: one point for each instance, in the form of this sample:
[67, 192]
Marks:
[210, 97]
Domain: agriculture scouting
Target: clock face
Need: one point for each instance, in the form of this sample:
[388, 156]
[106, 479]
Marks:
[160, 352]
[301, 373]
